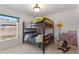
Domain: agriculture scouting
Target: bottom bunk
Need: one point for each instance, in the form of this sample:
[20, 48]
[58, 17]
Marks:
[37, 39]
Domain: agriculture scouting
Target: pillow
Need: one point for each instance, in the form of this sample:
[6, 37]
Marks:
[37, 20]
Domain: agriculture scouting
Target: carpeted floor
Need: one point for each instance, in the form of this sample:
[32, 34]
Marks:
[31, 49]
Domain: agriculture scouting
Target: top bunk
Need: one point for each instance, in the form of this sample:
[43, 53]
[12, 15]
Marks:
[40, 21]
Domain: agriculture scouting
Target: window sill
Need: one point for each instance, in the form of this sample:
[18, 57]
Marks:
[7, 39]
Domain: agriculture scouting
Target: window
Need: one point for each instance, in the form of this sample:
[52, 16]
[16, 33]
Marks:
[8, 27]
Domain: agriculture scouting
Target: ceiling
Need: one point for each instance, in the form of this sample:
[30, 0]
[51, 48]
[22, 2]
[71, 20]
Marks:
[46, 9]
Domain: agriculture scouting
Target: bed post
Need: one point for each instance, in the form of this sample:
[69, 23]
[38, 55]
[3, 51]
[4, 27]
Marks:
[43, 39]
[53, 33]
[23, 33]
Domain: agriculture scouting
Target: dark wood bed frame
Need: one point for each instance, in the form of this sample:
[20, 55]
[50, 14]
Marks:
[51, 38]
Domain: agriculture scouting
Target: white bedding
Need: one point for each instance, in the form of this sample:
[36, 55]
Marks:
[26, 36]
[39, 38]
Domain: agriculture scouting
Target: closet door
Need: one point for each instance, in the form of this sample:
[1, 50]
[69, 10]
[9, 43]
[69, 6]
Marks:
[73, 38]
[70, 37]
[64, 36]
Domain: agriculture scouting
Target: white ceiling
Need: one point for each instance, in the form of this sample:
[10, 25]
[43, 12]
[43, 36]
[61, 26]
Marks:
[46, 9]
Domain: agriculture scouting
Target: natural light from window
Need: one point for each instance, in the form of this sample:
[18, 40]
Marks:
[8, 27]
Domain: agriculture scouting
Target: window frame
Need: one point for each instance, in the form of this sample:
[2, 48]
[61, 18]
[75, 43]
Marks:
[17, 21]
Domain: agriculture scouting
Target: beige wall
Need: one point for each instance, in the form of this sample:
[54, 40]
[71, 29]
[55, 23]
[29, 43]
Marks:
[78, 26]
[68, 18]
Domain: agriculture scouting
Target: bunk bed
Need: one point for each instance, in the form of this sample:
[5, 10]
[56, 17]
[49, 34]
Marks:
[40, 32]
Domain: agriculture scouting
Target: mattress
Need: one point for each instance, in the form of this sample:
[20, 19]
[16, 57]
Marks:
[42, 19]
